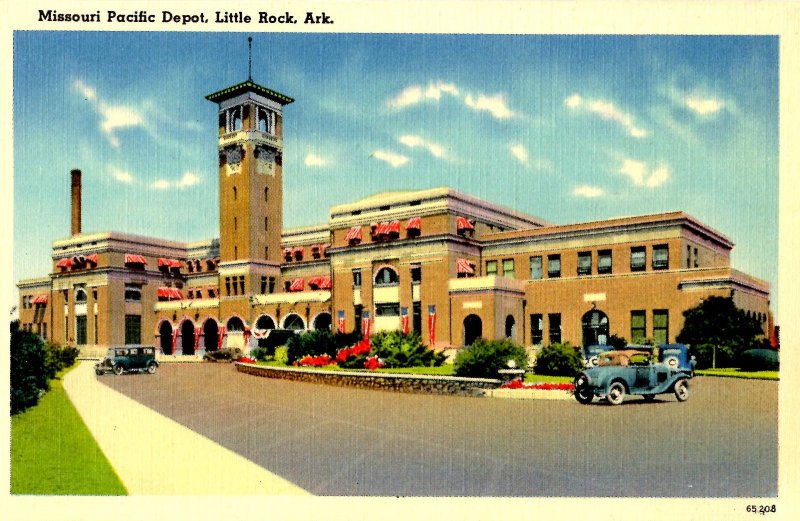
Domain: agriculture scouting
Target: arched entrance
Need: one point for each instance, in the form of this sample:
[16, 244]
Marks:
[510, 322]
[264, 324]
[187, 337]
[323, 321]
[595, 328]
[210, 335]
[235, 333]
[473, 329]
[165, 337]
[294, 322]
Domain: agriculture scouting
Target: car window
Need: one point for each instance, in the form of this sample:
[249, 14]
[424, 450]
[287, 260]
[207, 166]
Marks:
[640, 359]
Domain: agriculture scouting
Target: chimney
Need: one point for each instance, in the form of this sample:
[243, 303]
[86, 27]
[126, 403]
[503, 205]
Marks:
[76, 202]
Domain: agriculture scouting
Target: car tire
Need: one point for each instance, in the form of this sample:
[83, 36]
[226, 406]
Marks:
[98, 372]
[682, 390]
[616, 393]
[649, 397]
[118, 369]
[583, 393]
[151, 368]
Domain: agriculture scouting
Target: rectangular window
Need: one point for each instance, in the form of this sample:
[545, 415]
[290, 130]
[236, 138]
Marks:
[637, 258]
[44, 330]
[696, 259]
[263, 285]
[491, 267]
[356, 279]
[688, 256]
[228, 286]
[661, 326]
[416, 317]
[554, 330]
[416, 274]
[638, 327]
[241, 284]
[604, 261]
[271, 285]
[66, 329]
[95, 329]
[133, 293]
[80, 330]
[358, 309]
[553, 266]
[133, 329]
[387, 310]
[266, 223]
[536, 267]
[266, 252]
[508, 268]
[660, 257]
[584, 263]
[537, 328]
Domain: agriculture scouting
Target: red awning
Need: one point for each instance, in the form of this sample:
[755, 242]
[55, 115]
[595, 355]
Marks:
[315, 248]
[64, 263]
[40, 299]
[170, 293]
[92, 259]
[297, 284]
[393, 227]
[465, 266]
[175, 264]
[463, 224]
[353, 234]
[325, 282]
[162, 262]
[324, 247]
[415, 223]
[314, 282]
[134, 259]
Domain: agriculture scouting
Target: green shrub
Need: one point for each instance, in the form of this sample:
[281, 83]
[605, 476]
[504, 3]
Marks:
[398, 350]
[262, 353]
[484, 358]
[223, 355]
[281, 355]
[310, 343]
[704, 354]
[759, 360]
[29, 371]
[559, 360]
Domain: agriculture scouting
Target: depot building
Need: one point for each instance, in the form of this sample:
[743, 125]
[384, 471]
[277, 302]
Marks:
[447, 265]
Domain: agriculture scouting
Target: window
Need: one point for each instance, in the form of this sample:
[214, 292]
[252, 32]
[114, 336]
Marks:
[235, 223]
[387, 310]
[661, 257]
[266, 195]
[555, 327]
[604, 261]
[271, 285]
[537, 328]
[357, 310]
[491, 267]
[241, 284]
[638, 327]
[553, 266]
[234, 193]
[386, 276]
[133, 293]
[416, 274]
[660, 326]
[688, 256]
[266, 224]
[536, 267]
[356, 279]
[585, 263]
[263, 285]
[696, 259]
[637, 258]
[80, 296]
[133, 329]
[508, 268]
[266, 252]
[95, 329]
[228, 286]
[80, 330]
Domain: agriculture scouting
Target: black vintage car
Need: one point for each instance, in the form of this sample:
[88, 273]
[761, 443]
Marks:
[129, 358]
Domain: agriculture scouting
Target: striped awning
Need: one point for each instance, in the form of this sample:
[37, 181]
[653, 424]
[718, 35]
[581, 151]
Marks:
[297, 284]
[462, 223]
[465, 266]
[64, 263]
[169, 263]
[40, 299]
[415, 223]
[353, 234]
[170, 294]
[92, 259]
[131, 258]
[386, 228]
[325, 282]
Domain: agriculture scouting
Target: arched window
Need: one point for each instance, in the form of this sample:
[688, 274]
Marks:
[265, 322]
[473, 329]
[80, 296]
[294, 321]
[235, 324]
[595, 328]
[386, 276]
[323, 321]
[510, 322]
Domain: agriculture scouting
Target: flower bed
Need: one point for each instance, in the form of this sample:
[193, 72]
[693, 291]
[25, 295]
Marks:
[517, 384]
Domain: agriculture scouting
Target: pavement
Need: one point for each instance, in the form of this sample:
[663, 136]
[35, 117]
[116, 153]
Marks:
[154, 455]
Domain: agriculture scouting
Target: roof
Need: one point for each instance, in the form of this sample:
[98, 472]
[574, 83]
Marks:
[249, 86]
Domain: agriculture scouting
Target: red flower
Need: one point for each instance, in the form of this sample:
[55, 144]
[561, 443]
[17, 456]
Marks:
[246, 360]
[517, 384]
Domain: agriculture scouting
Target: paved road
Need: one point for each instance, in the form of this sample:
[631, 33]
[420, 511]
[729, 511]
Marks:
[337, 441]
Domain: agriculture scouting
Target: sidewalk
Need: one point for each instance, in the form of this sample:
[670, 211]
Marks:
[154, 455]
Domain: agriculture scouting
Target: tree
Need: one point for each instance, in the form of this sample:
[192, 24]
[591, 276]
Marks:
[717, 326]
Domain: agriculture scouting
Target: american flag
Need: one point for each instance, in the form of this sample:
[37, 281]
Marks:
[432, 324]
[341, 321]
[404, 320]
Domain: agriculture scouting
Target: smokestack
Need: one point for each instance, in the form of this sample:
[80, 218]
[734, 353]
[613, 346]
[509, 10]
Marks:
[76, 202]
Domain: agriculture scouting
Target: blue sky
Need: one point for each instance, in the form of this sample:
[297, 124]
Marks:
[568, 128]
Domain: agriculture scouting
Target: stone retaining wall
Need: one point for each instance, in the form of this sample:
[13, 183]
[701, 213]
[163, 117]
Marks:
[405, 383]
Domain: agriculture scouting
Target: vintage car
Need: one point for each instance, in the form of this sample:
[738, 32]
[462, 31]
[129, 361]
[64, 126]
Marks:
[666, 369]
[591, 353]
[129, 358]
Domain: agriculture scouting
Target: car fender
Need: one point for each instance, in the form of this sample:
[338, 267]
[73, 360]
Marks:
[616, 379]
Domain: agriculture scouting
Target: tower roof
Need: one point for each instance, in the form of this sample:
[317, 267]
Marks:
[246, 86]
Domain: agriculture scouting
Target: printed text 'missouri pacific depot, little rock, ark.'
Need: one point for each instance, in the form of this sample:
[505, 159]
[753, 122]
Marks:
[171, 17]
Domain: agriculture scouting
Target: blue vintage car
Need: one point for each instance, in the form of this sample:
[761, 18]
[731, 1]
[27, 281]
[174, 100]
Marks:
[592, 353]
[666, 369]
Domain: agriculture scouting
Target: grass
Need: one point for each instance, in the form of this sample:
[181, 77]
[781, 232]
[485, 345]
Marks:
[738, 373]
[539, 378]
[53, 453]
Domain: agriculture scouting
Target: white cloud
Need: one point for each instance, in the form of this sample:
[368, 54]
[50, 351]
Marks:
[608, 111]
[414, 94]
[588, 191]
[188, 179]
[314, 160]
[88, 92]
[434, 90]
[703, 106]
[519, 152]
[642, 175]
[435, 149]
[121, 175]
[113, 117]
[394, 160]
[161, 184]
[495, 105]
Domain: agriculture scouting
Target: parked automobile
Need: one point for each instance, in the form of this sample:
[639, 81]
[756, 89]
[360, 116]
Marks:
[666, 369]
[591, 353]
[130, 358]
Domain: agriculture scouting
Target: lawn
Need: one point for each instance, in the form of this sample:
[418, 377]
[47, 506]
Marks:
[738, 373]
[53, 453]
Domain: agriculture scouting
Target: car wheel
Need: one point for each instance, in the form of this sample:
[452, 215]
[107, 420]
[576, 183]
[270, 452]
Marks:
[118, 369]
[616, 393]
[682, 390]
[583, 393]
[649, 397]
[98, 372]
[151, 368]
